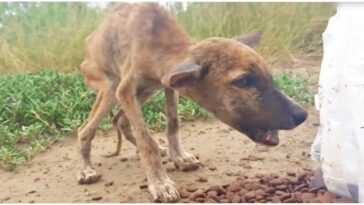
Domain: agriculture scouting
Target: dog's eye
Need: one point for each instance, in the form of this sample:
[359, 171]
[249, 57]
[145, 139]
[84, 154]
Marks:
[243, 82]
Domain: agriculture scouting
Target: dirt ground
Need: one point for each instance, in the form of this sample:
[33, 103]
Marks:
[51, 176]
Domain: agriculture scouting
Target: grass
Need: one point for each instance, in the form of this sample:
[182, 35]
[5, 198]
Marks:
[288, 28]
[34, 36]
[37, 109]
[45, 106]
[51, 35]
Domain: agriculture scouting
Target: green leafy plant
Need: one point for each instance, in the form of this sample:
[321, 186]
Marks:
[38, 108]
[295, 87]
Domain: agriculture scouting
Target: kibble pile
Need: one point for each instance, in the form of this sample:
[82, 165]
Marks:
[292, 188]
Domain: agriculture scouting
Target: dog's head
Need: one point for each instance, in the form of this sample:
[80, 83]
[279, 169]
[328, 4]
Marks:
[229, 79]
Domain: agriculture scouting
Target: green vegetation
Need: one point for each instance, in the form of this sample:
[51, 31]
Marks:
[36, 109]
[51, 35]
[44, 35]
[289, 29]
[295, 87]
[44, 106]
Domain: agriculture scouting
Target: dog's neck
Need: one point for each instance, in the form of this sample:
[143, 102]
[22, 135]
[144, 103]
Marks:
[176, 55]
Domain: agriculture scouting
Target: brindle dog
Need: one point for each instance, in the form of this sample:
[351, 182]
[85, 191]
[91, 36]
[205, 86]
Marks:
[139, 49]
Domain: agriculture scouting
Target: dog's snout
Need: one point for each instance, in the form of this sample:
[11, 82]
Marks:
[299, 116]
[296, 114]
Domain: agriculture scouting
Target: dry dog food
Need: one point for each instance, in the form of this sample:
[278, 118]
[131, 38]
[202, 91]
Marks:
[273, 188]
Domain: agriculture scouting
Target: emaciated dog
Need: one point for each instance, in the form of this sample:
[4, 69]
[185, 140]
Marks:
[139, 49]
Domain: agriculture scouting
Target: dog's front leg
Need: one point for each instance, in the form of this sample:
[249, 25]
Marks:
[160, 186]
[183, 160]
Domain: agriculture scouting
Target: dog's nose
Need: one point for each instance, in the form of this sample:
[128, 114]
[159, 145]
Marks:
[299, 116]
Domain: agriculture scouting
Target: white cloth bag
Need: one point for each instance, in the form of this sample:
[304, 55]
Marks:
[339, 144]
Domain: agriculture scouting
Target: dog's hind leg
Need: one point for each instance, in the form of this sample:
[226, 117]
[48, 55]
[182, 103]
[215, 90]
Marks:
[119, 136]
[183, 160]
[122, 124]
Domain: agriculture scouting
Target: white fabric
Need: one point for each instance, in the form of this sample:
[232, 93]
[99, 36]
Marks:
[339, 144]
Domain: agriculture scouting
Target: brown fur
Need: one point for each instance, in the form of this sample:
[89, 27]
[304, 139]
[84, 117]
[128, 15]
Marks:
[140, 49]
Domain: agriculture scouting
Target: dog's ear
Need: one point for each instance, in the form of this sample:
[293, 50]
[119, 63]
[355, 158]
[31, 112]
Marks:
[185, 74]
[251, 39]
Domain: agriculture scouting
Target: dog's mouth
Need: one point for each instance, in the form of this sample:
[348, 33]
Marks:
[265, 137]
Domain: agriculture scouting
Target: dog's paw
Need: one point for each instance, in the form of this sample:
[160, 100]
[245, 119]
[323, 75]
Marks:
[164, 191]
[88, 176]
[187, 162]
